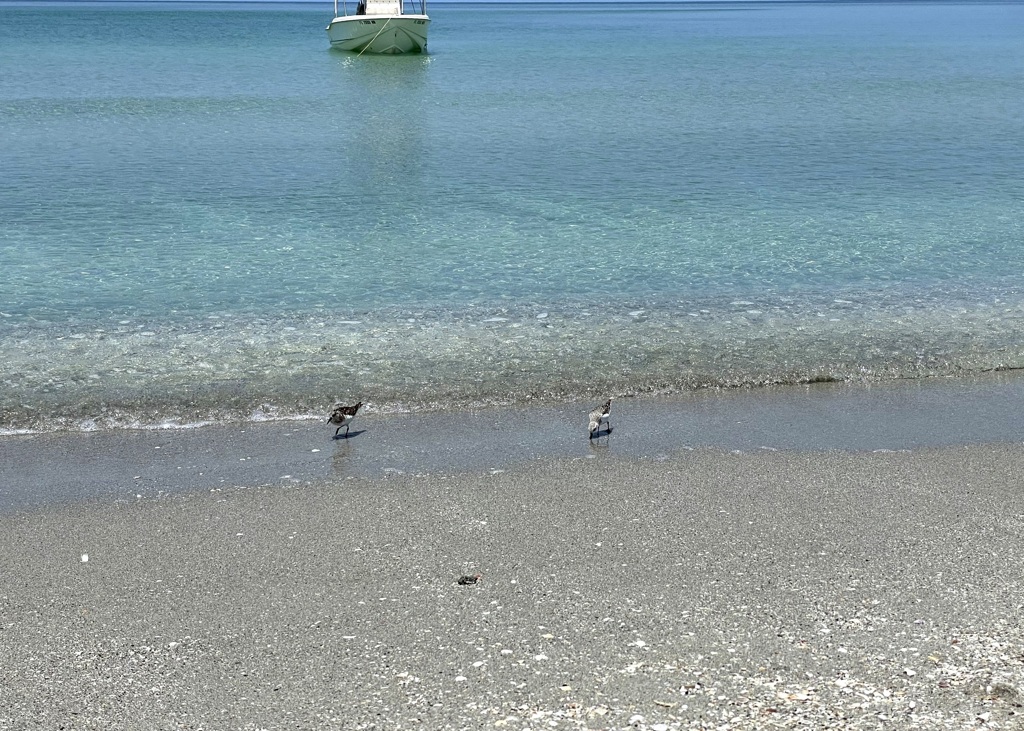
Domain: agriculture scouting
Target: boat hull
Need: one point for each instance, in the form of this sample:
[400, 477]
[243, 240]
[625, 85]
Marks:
[379, 33]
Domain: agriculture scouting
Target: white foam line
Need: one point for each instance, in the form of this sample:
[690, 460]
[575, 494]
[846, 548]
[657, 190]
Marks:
[18, 432]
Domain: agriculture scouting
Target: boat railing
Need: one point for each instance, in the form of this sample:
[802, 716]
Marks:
[379, 7]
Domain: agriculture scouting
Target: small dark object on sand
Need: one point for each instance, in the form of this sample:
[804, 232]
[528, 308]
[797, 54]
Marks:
[467, 580]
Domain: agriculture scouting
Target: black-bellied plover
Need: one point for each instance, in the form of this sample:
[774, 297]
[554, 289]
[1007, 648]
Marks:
[342, 416]
[599, 416]
[467, 580]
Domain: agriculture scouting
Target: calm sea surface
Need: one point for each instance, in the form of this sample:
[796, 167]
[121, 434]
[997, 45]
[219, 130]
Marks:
[206, 214]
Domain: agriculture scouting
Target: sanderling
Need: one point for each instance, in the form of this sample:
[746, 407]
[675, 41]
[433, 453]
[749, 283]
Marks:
[342, 415]
[599, 415]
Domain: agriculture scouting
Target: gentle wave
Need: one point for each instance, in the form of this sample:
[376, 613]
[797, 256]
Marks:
[180, 376]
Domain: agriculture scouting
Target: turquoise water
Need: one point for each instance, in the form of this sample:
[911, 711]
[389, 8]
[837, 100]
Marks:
[206, 214]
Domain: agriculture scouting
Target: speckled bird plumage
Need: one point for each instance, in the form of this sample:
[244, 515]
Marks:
[598, 416]
[342, 416]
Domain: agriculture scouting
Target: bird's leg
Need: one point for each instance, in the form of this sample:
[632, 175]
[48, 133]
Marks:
[336, 431]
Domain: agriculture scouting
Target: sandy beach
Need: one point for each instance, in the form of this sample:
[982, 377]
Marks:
[626, 585]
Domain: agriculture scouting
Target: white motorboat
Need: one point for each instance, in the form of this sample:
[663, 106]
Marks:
[380, 26]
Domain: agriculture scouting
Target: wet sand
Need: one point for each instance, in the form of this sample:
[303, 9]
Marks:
[120, 465]
[623, 586]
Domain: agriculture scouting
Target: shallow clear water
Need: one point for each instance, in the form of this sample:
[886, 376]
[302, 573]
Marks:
[205, 214]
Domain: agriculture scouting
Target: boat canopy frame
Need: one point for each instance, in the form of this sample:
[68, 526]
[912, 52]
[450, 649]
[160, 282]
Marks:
[362, 6]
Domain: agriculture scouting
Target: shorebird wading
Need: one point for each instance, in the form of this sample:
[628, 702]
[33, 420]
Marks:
[599, 416]
[342, 416]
